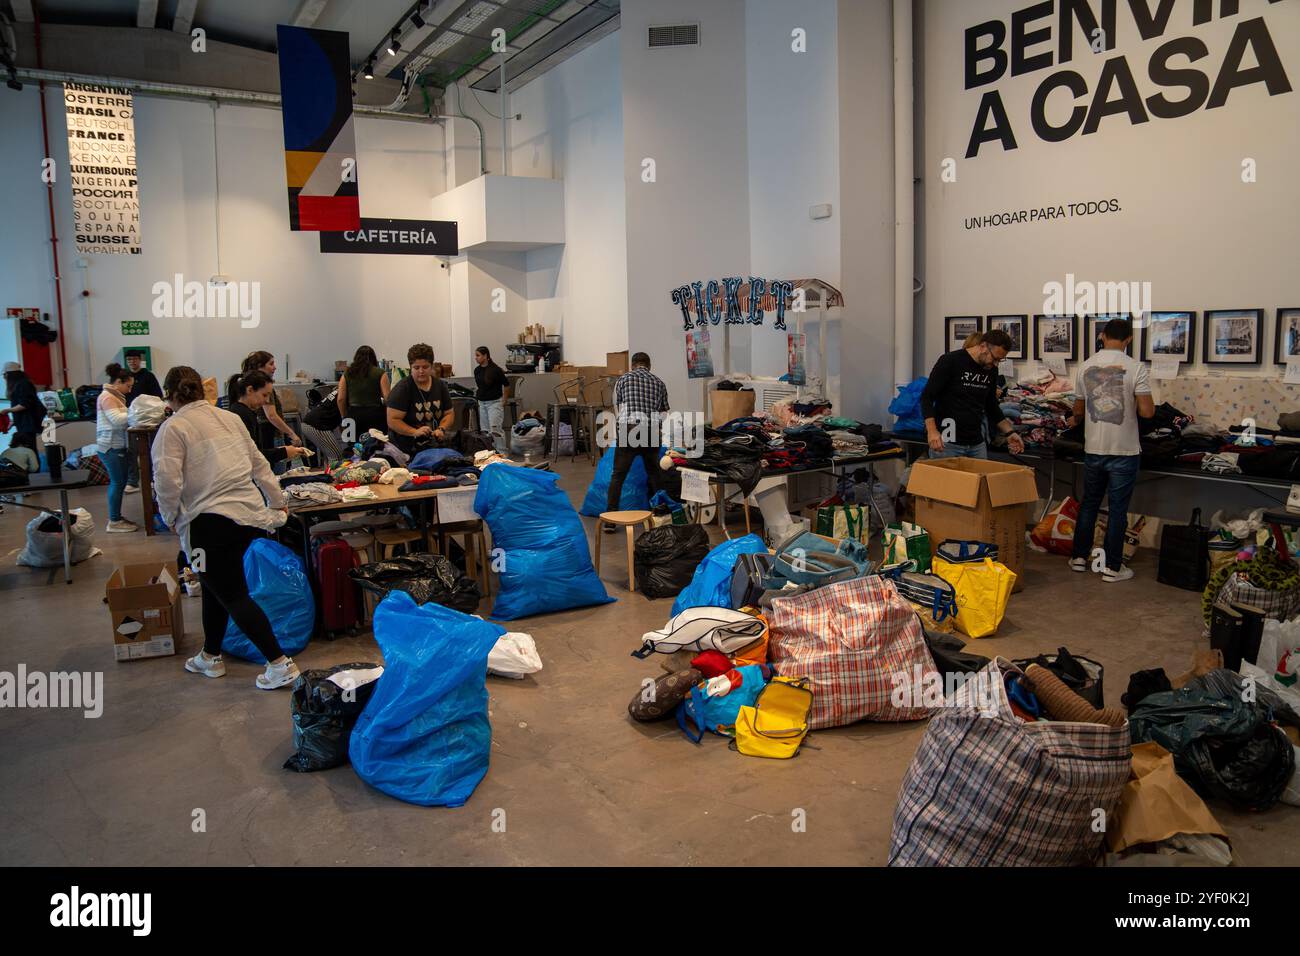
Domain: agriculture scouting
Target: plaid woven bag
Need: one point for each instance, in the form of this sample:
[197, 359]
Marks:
[855, 641]
[985, 789]
[1278, 604]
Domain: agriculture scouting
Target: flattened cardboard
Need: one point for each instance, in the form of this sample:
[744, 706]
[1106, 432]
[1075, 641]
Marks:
[1157, 804]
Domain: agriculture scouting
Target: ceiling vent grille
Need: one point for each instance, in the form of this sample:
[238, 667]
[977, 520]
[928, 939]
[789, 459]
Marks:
[678, 34]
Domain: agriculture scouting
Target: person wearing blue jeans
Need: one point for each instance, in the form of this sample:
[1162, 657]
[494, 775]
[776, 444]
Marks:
[111, 443]
[117, 463]
[953, 450]
[960, 403]
[1114, 390]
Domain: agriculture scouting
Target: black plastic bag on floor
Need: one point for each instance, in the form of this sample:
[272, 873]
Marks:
[1250, 774]
[665, 558]
[325, 705]
[426, 577]
[949, 654]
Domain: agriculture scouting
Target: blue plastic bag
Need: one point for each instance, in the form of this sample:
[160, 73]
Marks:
[711, 585]
[546, 565]
[635, 494]
[425, 737]
[431, 458]
[714, 713]
[906, 406]
[280, 587]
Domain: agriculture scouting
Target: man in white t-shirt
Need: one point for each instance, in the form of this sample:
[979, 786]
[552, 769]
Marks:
[1113, 390]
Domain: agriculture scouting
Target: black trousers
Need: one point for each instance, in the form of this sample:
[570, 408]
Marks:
[623, 458]
[225, 589]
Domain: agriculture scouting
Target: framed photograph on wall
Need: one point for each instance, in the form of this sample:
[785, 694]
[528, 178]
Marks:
[957, 327]
[1054, 338]
[1092, 326]
[1167, 335]
[1014, 326]
[1286, 343]
[1233, 336]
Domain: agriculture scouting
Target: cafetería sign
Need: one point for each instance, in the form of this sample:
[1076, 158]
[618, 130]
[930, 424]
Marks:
[395, 237]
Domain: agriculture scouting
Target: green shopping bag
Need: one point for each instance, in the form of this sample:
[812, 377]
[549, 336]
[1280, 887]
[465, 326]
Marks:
[905, 541]
[843, 521]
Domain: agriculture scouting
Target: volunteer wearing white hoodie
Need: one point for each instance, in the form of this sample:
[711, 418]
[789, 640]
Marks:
[202, 460]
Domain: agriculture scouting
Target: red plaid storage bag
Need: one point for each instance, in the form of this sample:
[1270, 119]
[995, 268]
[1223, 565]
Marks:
[986, 789]
[856, 641]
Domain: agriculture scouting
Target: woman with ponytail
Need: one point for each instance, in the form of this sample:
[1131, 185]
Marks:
[202, 459]
[111, 442]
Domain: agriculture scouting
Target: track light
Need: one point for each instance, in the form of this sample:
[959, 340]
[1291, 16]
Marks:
[369, 71]
[417, 19]
[394, 44]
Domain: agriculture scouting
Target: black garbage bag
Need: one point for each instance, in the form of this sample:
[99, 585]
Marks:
[1250, 774]
[426, 577]
[325, 705]
[1228, 683]
[665, 558]
[1222, 745]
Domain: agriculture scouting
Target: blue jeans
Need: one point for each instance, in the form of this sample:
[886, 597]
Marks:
[1112, 477]
[953, 450]
[116, 462]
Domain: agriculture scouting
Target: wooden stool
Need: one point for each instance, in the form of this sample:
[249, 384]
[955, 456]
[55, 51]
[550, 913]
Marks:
[622, 519]
[478, 561]
[390, 539]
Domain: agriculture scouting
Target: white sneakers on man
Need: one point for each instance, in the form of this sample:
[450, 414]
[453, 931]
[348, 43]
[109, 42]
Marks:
[131, 490]
[278, 675]
[200, 663]
[121, 526]
[1079, 564]
[1123, 574]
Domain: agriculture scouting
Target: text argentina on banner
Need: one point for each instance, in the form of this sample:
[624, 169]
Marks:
[320, 149]
[101, 162]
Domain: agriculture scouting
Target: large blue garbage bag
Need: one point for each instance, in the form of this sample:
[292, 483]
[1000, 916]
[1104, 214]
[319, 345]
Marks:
[279, 585]
[545, 565]
[711, 585]
[634, 497]
[424, 737]
[906, 406]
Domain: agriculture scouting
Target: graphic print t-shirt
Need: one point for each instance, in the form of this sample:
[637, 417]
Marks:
[1108, 383]
[418, 407]
[965, 392]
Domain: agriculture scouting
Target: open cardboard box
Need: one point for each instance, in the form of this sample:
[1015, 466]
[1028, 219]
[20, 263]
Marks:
[144, 603]
[971, 499]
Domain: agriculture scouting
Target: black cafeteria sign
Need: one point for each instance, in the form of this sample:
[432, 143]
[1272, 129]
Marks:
[394, 237]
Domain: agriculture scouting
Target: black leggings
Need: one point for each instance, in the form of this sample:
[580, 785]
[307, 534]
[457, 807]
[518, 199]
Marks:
[225, 589]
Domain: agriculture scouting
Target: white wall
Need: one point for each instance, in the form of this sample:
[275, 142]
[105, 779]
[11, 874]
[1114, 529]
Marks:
[686, 109]
[1188, 224]
[314, 307]
[792, 107]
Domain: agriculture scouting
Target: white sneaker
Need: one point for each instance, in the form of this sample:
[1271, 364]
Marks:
[1079, 564]
[1123, 574]
[200, 663]
[131, 490]
[278, 675]
[121, 527]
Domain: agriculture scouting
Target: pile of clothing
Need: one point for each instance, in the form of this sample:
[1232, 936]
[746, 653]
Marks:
[1039, 410]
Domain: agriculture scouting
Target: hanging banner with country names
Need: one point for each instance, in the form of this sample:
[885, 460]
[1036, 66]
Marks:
[101, 166]
[320, 145]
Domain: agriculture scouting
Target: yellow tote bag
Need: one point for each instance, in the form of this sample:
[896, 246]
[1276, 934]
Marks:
[778, 722]
[983, 589]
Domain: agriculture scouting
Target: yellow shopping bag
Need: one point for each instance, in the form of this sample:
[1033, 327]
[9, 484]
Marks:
[983, 589]
[778, 722]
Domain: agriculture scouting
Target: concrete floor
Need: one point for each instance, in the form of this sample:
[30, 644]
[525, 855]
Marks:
[580, 783]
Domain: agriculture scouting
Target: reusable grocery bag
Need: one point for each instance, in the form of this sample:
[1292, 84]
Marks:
[425, 736]
[778, 722]
[844, 521]
[718, 714]
[711, 584]
[1055, 533]
[280, 587]
[987, 789]
[544, 563]
[983, 591]
[904, 542]
[854, 641]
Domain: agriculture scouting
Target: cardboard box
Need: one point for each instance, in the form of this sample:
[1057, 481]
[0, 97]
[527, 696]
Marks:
[144, 603]
[970, 499]
[616, 363]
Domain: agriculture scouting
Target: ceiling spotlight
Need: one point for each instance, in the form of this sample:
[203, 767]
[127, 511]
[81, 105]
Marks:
[394, 44]
[369, 71]
[417, 19]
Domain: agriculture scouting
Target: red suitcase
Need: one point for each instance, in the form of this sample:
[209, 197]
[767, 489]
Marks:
[338, 592]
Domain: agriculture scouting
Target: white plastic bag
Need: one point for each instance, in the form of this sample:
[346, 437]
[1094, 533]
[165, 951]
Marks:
[514, 655]
[45, 548]
[1280, 637]
[147, 411]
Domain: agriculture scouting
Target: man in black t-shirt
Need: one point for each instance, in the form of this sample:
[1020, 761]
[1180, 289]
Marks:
[146, 383]
[420, 411]
[960, 401]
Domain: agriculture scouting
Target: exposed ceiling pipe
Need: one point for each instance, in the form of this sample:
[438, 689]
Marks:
[904, 224]
[54, 232]
[205, 93]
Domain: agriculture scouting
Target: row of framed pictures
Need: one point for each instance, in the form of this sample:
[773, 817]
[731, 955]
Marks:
[1230, 336]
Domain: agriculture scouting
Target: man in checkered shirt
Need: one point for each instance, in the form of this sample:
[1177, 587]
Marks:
[640, 399]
